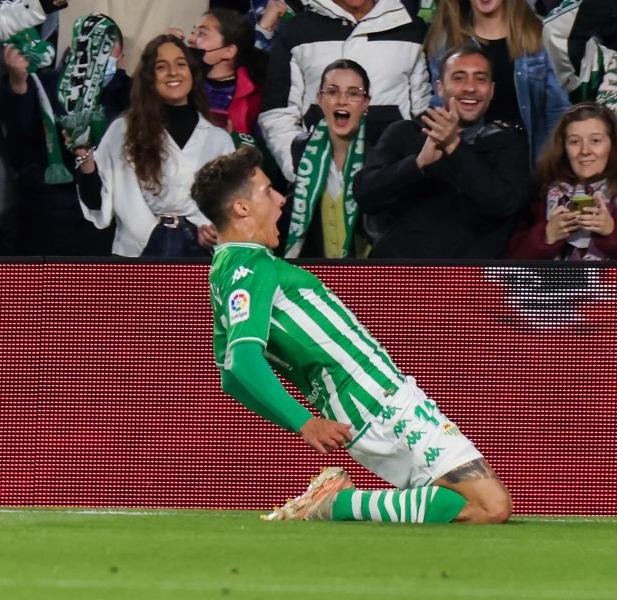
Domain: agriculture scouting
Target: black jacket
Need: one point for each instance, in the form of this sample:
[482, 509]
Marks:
[50, 221]
[463, 206]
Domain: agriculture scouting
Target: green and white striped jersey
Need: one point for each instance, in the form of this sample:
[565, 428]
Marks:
[308, 335]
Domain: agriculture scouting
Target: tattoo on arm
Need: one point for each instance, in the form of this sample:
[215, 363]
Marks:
[476, 469]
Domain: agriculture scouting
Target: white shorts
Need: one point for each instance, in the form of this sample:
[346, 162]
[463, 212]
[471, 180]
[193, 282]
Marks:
[412, 443]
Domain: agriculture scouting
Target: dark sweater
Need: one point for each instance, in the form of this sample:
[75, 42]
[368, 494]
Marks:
[465, 205]
[50, 220]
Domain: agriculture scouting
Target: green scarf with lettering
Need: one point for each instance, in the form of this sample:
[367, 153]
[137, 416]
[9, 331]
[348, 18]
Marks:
[311, 179]
[81, 83]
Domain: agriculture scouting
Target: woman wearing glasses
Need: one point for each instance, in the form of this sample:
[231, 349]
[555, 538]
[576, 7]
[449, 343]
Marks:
[577, 174]
[324, 219]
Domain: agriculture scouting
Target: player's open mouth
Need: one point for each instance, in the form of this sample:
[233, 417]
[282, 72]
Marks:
[173, 84]
[341, 117]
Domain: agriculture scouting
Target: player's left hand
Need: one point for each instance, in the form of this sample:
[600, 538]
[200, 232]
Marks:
[597, 219]
[207, 235]
[325, 435]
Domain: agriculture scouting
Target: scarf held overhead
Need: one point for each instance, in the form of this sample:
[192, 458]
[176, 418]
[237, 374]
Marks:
[311, 179]
[83, 78]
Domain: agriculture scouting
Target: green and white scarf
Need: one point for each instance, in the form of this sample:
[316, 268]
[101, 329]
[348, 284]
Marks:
[288, 15]
[81, 83]
[310, 183]
[243, 139]
[607, 91]
[41, 54]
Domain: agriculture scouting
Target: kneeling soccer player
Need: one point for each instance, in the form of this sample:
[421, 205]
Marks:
[269, 312]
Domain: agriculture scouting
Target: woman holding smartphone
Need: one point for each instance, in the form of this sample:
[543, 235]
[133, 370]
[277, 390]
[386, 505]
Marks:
[577, 176]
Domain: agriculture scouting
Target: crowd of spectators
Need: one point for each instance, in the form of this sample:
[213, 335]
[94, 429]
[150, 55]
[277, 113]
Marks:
[456, 129]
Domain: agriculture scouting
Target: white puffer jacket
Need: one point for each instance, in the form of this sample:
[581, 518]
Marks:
[17, 15]
[386, 42]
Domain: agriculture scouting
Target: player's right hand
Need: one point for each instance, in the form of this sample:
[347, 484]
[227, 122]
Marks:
[324, 435]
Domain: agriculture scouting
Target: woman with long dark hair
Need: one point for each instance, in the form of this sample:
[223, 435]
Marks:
[141, 174]
[577, 178]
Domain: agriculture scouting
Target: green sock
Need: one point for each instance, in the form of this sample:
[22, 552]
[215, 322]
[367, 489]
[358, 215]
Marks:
[429, 504]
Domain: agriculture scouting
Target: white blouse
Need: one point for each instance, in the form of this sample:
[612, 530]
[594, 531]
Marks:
[135, 210]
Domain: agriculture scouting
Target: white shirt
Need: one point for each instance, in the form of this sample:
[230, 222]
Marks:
[135, 209]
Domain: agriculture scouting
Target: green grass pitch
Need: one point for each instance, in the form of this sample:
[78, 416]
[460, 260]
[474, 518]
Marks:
[152, 555]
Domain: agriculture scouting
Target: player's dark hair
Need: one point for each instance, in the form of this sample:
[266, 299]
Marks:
[223, 179]
[467, 49]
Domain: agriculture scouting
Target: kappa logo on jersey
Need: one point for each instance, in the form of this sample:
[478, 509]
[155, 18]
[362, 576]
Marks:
[552, 296]
[240, 273]
[239, 306]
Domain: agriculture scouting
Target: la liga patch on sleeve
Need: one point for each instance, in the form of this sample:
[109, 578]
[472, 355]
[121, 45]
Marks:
[239, 306]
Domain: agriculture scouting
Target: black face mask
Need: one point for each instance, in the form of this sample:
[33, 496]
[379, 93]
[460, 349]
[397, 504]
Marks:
[198, 54]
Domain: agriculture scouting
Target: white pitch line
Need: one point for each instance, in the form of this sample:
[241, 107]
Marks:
[167, 513]
[303, 590]
[573, 519]
[92, 512]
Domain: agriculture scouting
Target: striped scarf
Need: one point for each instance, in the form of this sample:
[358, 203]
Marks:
[311, 180]
[81, 83]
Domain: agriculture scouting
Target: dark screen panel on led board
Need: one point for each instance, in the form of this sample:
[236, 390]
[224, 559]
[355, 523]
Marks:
[110, 396]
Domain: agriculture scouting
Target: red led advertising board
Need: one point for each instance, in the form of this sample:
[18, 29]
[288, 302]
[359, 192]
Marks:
[110, 397]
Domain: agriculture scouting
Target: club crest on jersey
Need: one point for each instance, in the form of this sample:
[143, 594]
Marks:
[239, 306]
[451, 429]
[240, 273]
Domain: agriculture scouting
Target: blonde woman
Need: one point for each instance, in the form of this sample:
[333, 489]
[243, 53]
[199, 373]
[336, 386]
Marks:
[526, 88]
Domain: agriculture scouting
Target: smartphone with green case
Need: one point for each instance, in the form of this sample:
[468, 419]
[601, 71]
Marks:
[580, 201]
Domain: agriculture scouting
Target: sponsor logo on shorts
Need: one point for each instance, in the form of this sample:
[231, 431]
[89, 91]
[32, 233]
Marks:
[239, 306]
[387, 412]
[400, 427]
[413, 438]
[451, 429]
[432, 454]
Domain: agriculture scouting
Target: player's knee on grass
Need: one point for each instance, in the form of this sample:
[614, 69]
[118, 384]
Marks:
[492, 507]
[488, 501]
